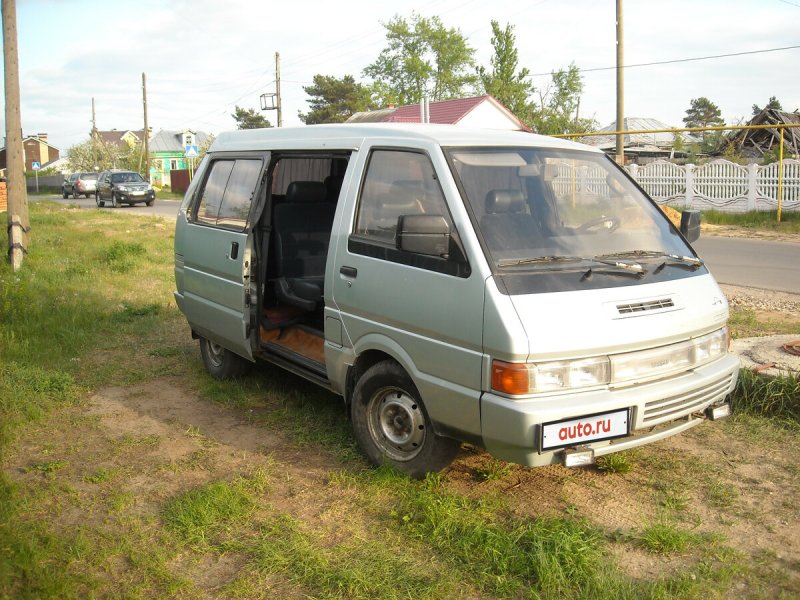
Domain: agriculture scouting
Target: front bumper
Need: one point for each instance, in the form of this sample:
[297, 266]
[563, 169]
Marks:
[132, 197]
[512, 429]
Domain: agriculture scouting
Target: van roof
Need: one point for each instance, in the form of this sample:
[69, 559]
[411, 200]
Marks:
[351, 136]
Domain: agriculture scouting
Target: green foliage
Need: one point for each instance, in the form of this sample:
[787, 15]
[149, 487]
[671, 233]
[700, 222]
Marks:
[557, 106]
[494, 470]
[764, 219]
[422, 59]
[335, 100]
[702, 112]
[617, 462]
[772, 104]
[775, 397]
[663, 537]
[510, 86]
[249, 119]
[97, 155]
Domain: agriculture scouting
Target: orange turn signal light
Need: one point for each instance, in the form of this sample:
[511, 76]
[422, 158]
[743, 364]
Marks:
[510, 378]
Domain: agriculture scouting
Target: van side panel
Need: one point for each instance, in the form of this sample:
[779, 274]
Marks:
[430, 322]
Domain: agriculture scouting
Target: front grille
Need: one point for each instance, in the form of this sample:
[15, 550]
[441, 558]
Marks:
[666, 409]
[636, 307]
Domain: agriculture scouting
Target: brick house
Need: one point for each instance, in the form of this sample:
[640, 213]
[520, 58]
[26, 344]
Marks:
[35, 148]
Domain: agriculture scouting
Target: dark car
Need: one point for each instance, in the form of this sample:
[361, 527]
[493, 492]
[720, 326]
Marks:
[123, 187]
[79, 184]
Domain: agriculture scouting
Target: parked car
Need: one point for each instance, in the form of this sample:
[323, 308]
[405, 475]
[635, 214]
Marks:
[79, 184]
[123, 187]
[509, 290]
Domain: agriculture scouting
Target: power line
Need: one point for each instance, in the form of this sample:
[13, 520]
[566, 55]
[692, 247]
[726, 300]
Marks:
[679, 60]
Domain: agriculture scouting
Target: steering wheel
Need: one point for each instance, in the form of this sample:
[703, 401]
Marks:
[598, 224]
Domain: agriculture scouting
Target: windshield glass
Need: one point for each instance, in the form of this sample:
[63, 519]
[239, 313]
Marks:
[555, 204]
[126, 178]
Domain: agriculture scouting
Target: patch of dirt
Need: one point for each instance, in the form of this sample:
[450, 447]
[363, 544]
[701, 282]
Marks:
[759, 234]
[155, 440]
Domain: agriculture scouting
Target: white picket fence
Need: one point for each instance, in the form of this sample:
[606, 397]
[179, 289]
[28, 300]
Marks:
[721, 185]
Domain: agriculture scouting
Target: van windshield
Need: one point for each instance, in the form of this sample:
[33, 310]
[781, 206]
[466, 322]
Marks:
[535, 206]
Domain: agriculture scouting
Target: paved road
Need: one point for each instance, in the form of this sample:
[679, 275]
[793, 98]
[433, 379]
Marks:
[161, 208]
[761, 264]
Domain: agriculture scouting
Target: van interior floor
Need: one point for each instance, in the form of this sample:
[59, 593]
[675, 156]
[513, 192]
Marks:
[298, 339]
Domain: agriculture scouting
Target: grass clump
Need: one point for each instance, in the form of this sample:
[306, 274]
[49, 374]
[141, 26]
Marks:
[765, 220]
[775, 397]
[617, 462]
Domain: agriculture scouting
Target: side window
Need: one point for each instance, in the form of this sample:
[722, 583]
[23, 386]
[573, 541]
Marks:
[228, 193]
[239, 194]
[397, 183]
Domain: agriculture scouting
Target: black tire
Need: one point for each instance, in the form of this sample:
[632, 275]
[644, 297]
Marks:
[392, 426]
[114, 200]
[149, 202]
[222, 363]
[100, 203]
[64, 193]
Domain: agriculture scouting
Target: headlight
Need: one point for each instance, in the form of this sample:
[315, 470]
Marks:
[122, 188]
[533, 378]
[518, 379]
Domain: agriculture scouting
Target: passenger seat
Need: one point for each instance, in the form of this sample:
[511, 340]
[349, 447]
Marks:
[301, 230]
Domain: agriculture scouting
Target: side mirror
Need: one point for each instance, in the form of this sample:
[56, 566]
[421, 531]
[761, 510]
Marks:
[690, 225]
[423, 234]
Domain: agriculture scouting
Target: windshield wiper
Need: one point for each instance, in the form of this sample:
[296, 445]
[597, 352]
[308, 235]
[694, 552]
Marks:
[513, 262]
[607, 266]
[689, 261]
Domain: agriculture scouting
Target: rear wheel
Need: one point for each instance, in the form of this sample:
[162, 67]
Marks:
[75, 193]
[222, 363]
[392, 426]
[64, 193]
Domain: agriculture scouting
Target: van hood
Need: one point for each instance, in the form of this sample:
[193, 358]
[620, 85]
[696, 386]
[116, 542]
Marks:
[620, 319]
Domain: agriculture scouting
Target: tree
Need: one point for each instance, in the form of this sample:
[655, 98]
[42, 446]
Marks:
[334, 100]
[703, 112]
[773, 104]
[100, 156]
[422, 59]
[511, 87]
[557, 108]
[249, 119]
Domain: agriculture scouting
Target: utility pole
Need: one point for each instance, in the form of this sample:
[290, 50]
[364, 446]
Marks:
[146, 131]
[95, 166]
[278, 87]
[620, 89]
[18, 223]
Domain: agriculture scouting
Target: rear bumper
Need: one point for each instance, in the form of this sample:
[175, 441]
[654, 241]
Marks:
[512, 429]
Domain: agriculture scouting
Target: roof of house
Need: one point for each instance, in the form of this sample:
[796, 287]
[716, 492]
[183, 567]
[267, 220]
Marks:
[115, 136]
[444, 112]
[659, 140]
[172, 141]
[756, 142]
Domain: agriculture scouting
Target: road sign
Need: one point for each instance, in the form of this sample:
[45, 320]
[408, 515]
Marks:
[191, 151]
[36, 165]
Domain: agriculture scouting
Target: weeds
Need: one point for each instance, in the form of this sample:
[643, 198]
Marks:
[790, 221]
[617, 462]
[775, 397]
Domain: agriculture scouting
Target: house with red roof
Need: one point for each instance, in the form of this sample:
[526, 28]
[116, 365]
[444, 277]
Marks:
[479, 111]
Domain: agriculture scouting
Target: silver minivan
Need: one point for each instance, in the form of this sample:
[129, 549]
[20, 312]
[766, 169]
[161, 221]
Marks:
[506, 289]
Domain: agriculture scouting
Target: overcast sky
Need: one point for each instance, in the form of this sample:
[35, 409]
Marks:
[203, 57]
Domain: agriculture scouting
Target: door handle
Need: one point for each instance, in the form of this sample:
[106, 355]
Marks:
[348, 271]
[234, 251]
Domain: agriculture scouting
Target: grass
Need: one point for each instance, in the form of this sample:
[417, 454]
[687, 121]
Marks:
[763, 220]
[774, 397]
[92, 308]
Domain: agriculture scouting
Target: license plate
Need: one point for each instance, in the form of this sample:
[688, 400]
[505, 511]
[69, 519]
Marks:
[593, 428]
[137, 193]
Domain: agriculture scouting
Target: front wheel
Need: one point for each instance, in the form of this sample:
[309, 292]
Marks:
[392, 426]
[114, 200]
[65, 194]
[222, 363]
[100, 203]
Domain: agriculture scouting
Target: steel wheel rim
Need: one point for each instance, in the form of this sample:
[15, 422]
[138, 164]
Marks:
[216, 353]
[396, 423]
